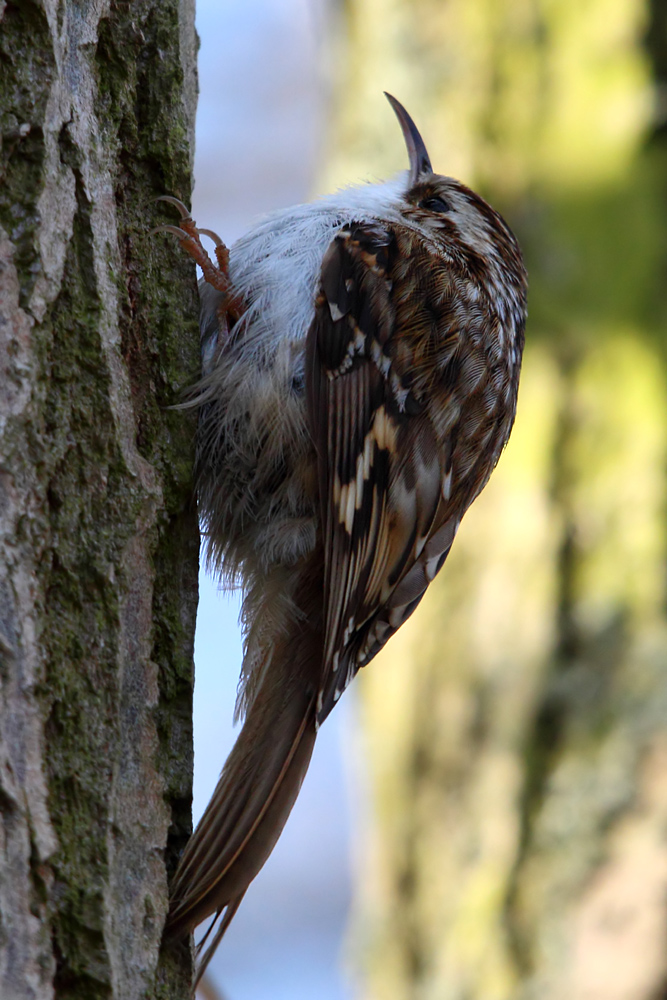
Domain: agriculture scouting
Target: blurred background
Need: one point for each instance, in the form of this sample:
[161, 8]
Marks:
[486, 814]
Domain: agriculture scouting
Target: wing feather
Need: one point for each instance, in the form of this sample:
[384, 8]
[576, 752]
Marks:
[379, 467]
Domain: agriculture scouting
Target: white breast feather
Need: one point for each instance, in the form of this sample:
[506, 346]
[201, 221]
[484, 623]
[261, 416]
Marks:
[276, 266]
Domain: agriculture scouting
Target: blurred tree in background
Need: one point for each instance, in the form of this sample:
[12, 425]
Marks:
[516, 729]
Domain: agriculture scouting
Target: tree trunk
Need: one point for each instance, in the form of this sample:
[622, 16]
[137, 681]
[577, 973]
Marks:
[98, 529]
[516, 728]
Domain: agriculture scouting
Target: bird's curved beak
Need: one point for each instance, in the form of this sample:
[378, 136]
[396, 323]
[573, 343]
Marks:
[420, 162]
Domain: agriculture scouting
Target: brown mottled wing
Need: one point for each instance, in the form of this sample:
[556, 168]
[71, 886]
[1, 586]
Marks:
[379, 469]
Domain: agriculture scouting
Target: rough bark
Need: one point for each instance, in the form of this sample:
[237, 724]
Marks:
[516, 729]
[98, 531]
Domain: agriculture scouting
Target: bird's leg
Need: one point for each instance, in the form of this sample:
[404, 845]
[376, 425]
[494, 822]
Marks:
[217, 275]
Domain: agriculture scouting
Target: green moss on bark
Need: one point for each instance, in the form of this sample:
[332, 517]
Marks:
[109, 477]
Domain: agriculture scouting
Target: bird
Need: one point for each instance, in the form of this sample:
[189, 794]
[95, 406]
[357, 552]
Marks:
[360, 368]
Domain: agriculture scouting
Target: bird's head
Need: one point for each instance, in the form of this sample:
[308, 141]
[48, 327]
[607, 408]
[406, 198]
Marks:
[456, 219]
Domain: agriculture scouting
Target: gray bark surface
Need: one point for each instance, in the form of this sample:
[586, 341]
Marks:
[98, 530]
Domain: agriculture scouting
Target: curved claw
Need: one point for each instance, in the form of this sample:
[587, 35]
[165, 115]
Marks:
[182, 235]
[213, 236]
[177, 204]
[216, 275]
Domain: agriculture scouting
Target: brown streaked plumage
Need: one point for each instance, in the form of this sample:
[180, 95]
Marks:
[361, 366]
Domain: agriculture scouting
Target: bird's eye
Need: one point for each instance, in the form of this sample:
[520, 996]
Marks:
[435, 204]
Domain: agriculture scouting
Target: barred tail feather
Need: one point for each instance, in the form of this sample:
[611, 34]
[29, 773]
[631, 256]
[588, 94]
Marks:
[256, 791]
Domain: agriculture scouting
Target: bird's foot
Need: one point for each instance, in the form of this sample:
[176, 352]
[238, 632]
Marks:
[188, 234]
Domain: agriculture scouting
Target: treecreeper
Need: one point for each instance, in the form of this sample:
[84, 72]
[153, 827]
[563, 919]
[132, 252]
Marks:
[361, 359]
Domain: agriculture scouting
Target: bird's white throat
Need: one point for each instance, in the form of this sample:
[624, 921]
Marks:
[276, 265]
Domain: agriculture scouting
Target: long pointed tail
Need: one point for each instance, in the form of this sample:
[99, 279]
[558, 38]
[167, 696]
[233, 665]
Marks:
[256, 791]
